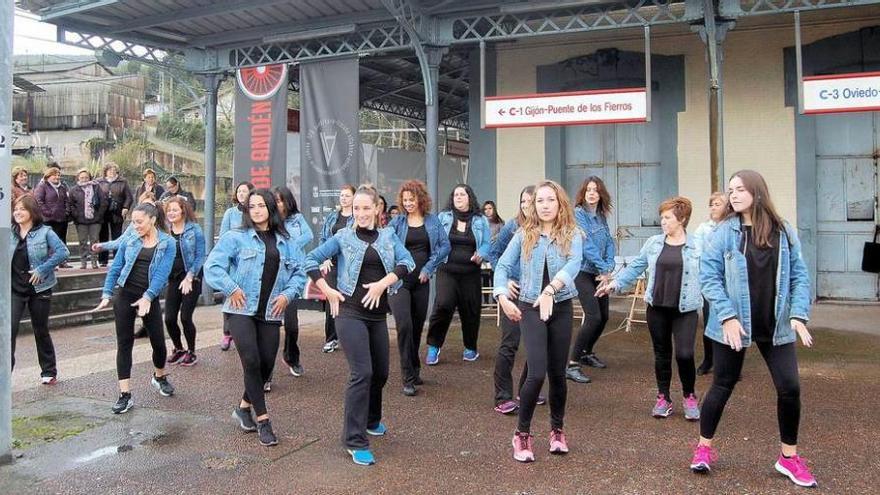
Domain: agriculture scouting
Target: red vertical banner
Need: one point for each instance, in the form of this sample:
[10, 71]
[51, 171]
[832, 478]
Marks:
[260, 154]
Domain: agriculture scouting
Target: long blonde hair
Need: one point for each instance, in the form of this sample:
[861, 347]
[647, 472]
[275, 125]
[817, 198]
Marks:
[564, 227]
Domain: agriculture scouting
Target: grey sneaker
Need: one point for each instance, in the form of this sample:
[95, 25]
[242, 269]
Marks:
[244, 418]
[691, 408]
[330, 346]
[663, 408]
[123, 404]
[267, 436]
[163, 385]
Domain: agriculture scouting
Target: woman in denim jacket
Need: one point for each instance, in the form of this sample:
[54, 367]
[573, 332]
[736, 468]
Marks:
[36, 250]
[424, 238]
[673, 297]
[717, 212]
[758, 289]
[333, 223]
[372, 263]
[135, 281]
[460, 277]
[259, 270]
[547, 250]
[233, 219]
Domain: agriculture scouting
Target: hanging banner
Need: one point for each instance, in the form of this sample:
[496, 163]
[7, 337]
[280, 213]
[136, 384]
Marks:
[260, 154]
[856, 92]
[614, 106]
[330, 150]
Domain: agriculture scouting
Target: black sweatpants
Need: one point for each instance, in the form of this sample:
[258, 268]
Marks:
[507, 347]
[125, 315]
[329, 320]
[707, 342]
[38, 305]
[291, 334]
[184, 304]
[109, 230]
[781, 361]
[456, 291]
[668, 325]
[595, 311]
[410, 308]
[547, 345]
[257, 344]
[365, 344]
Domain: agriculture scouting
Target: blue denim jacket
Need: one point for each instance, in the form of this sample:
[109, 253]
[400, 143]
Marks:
[45, 252]
[725, 280]
[236, 262]
[329, 222]
[300, 232]
[479, 225]
[126, 255]
[689, 298]
[192, 247]
[439, 240]
[502, 240]
[232, 219]
[564, 267]
[349, 252]
[599, 245]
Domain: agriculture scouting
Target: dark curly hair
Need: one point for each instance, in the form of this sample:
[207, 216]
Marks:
[418, 189]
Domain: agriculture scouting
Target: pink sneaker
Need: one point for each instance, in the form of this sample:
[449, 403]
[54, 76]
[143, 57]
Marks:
[663, 408]
[522, 447]
[558, 445]
[704, 456]
[795, 467]
[225, 342]
[691, 408]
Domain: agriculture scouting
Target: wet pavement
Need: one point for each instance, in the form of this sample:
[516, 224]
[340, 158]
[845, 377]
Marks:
[447, 439]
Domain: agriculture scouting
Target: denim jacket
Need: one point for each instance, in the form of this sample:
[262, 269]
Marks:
[349, 252]
[561, 266]
[724, 277]
[232, 219]
[329, 222]
[126, 255]
[502, 240]
[689, 298]
[192, 247]
[599, 245]
[236, 262]
[300, 232]
[45, 252]
[479, 225]
[437, 236]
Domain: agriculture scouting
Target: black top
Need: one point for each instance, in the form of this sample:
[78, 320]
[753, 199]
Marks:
[178, 270]
[667, 277]
[139, 277]
[419, 246]
[463, 246]
[270, 271]
[761, 264]
[341, 222]
[21, 267]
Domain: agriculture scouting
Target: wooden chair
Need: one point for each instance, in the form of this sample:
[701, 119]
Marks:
[637, 307]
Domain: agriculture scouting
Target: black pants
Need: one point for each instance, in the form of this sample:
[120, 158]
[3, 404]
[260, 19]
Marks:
[456, 291]
[366, 348]
[125, 315]
[595, 311]
[109, 230]
[291, 335]
[329, 321]
[782, 363]
[38, 305]
[707, 342]
[410, 308]
[60, 229]
[257, 344]
[185, 304]
[507, 347]
[668, 325]
[547, 345]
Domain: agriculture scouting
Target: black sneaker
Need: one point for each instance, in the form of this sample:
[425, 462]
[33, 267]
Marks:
[593, 361]
[267, 436]
[267, 387]
[123, 404]
[163, 385]
[704, 369]
[409, 390]
[297, 370]
[574, 374]
[244, 418]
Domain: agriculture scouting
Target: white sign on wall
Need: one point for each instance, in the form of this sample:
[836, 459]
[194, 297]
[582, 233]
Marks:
[859, 92]
[615, 106]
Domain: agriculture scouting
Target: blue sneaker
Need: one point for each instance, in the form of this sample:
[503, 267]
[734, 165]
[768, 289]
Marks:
[470, 355]
[378, 431]
[362, 457]
[433, 356]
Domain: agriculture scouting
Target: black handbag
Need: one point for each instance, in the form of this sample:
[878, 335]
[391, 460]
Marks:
[871, 254]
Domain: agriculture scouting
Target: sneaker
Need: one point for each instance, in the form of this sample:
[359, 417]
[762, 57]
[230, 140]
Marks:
[297, 370]
[244, 418]
[410, 390]
[267, 436]
[704, 369]
[330, 346]
[362, 457]
[593, 361]
[225, 342]
[190, 359]
[541, 400]
[507, 407]
[522, 447]
[558, 445]
[123, 403]
[573, 373]
[663, 408]
[795, 467]
[176, 356]
[433, 356]
[48, 380]
[378, 431]
[704, 456]
[691, 408]
[267, 387]
[470, 355]
[163, 385]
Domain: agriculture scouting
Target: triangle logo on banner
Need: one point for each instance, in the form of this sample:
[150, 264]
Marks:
[328, 144]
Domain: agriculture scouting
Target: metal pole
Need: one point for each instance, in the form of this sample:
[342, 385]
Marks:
[716, 132]
[432, 122]
[799, 60]
[648, 75]
[7, 12]
[482, 84]
[211, 82]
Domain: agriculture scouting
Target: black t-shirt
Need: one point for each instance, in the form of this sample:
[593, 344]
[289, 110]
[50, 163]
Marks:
[762, 264]
[463, 246]
[341, 222]
[139, 277]
[270, 271]
[21, 267]
[372, 270]
[178, 270]
[667, 277]
[419, 246]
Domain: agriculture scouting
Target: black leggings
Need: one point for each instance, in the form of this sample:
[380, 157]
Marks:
[781, 361]
[546, 351]
[39, 306]
[291, 335]
[125, 315]
[185, 304]
[507, 347]
[707, 342]
[456, 291]
[410, 308]
[596, 315]
[365, 344]
[257, 344]
[329, 320]
[667, 325]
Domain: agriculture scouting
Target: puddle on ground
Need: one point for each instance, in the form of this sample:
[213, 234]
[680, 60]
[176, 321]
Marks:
[102, 452]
